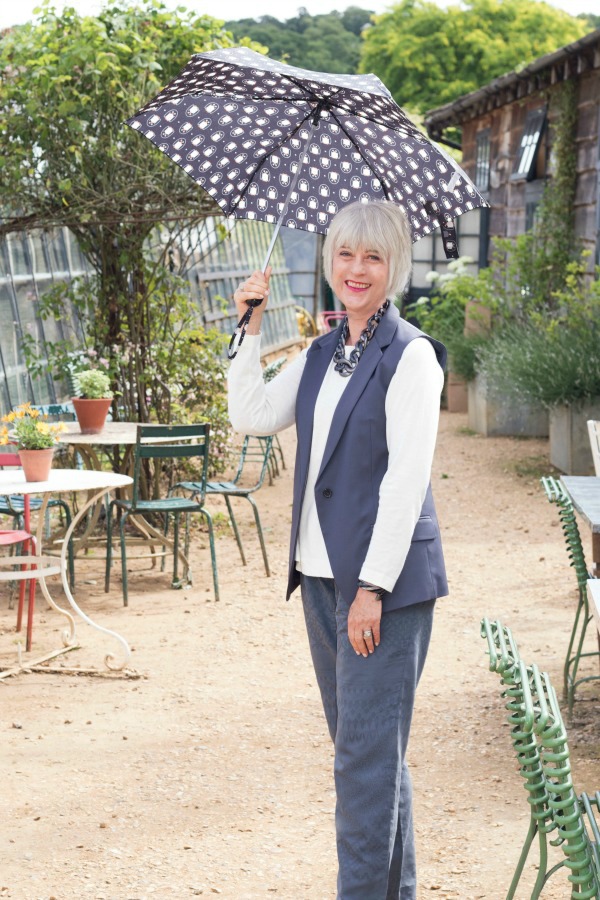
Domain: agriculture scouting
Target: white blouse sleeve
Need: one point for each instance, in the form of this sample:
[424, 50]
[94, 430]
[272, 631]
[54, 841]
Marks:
[259, 408]
[412, 409]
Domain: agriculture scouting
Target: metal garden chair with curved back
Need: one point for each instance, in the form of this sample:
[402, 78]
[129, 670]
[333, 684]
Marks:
[575, 653]
[254, 450]
[164, 442]
[270, 371]
[557, 815]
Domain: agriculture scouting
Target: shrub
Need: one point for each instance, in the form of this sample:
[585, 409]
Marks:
[552, 356]
[92, 384]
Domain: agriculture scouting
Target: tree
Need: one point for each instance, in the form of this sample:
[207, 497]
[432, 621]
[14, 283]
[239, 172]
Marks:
[428, 56]
[324, 43]
[67, 159]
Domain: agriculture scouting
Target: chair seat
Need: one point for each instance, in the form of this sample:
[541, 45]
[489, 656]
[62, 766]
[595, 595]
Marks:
[8, 538]
[215, 487]
[16, 504]
[166, 504]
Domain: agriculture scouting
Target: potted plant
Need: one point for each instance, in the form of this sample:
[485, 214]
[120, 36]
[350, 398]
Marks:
[93, 400]
[36, 440]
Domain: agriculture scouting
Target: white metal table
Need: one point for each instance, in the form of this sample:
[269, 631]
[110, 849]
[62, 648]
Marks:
[97, 484]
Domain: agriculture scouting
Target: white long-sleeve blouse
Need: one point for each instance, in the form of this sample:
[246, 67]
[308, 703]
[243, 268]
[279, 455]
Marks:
[412, 412]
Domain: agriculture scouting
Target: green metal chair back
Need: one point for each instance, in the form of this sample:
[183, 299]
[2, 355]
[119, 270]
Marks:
[254, 450]
[540, 742]
[505, 660]
[170, 442]
[556, 494]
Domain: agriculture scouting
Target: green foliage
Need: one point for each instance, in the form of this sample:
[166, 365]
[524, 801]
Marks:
[66, 159]
[92, 384]
[428, 55]
[176, 375]
[551, 357]
[442, 315]
[324, 43]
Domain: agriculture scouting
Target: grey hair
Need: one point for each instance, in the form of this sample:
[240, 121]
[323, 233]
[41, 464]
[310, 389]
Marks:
[377, 225]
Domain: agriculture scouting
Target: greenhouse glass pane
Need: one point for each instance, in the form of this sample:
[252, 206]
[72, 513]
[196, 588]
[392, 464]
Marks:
[58, 253]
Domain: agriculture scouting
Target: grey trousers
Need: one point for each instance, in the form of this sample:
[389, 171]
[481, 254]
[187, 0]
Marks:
[368, 705]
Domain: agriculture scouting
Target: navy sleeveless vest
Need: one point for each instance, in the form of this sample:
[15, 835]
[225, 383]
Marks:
[354, 463]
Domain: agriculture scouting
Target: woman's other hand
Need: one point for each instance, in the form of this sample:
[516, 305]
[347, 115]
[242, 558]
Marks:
[364, 616]
[256, 287]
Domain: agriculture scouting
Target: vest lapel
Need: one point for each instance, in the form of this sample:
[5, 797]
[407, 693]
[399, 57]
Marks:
[359, 379]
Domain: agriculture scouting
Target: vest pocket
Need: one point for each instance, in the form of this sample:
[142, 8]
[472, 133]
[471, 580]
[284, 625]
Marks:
[425, 529]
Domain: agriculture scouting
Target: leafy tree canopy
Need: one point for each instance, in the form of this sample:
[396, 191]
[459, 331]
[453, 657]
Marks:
[324, 43]
[428, 55]
[67, 84]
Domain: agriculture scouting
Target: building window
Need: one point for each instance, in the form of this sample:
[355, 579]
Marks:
[482, 160]
[530, 163]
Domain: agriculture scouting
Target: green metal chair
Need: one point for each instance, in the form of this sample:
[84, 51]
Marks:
[164, 442]
[269, 373]
[556, 494]
[254, 450]
[540, 743]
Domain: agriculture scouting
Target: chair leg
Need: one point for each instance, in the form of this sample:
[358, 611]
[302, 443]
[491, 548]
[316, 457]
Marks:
[573, 659]
[235, 528]
[124, 558]
[213, 555]
[109, 513]
[30, 611]
[522, 859]
[164, 548]
[277, 446]
[175, 581]
[70, 554]
[21, 602]
[260, 535]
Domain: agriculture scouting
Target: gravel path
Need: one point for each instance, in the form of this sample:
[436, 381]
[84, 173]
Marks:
[211, 773]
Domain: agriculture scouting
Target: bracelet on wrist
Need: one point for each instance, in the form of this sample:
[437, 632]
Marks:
[367, 586]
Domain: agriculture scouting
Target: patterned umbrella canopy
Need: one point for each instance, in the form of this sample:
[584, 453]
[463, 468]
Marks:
[286, 145]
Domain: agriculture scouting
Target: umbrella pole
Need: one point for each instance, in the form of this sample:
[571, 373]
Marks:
[287, 199]
[240, 331]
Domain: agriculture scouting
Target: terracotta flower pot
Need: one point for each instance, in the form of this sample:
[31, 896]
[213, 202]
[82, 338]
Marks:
[91, 414]
[36, 463]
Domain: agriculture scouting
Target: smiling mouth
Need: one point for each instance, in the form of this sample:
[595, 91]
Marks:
[358, 285]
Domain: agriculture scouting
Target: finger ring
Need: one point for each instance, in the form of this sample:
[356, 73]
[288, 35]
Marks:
[367, 634]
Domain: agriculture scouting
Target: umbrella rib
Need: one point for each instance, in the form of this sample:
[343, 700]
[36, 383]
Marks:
[261, 161]
[363, 157]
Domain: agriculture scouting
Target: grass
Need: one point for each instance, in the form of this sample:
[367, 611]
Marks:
[534, 467]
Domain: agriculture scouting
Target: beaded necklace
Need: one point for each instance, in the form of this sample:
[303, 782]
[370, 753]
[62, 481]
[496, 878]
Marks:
[346, 366]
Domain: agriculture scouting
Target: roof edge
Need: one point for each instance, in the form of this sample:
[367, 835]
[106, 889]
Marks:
[516, 84]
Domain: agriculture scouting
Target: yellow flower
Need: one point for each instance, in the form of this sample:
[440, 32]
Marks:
[10, 417]
[34, 413]
[43, 427]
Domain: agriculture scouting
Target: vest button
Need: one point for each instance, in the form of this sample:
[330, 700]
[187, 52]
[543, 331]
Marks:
[327, 493]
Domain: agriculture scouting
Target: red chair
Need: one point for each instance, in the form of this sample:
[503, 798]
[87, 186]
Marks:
[13, 538]
[331, 318]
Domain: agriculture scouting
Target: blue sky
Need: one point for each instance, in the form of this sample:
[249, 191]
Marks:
[14, 13]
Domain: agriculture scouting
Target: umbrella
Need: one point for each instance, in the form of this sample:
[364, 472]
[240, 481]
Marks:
[280, 144]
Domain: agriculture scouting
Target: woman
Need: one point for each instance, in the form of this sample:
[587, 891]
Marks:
[365, 546]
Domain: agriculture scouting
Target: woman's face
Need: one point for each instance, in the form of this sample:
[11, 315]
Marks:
[359, 280]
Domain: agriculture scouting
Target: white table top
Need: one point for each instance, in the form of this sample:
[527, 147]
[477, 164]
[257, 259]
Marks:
[593, 589]
[584, 491]
[61, 480]
[112, 434]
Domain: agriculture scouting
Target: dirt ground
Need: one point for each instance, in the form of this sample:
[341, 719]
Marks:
[211, 772]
